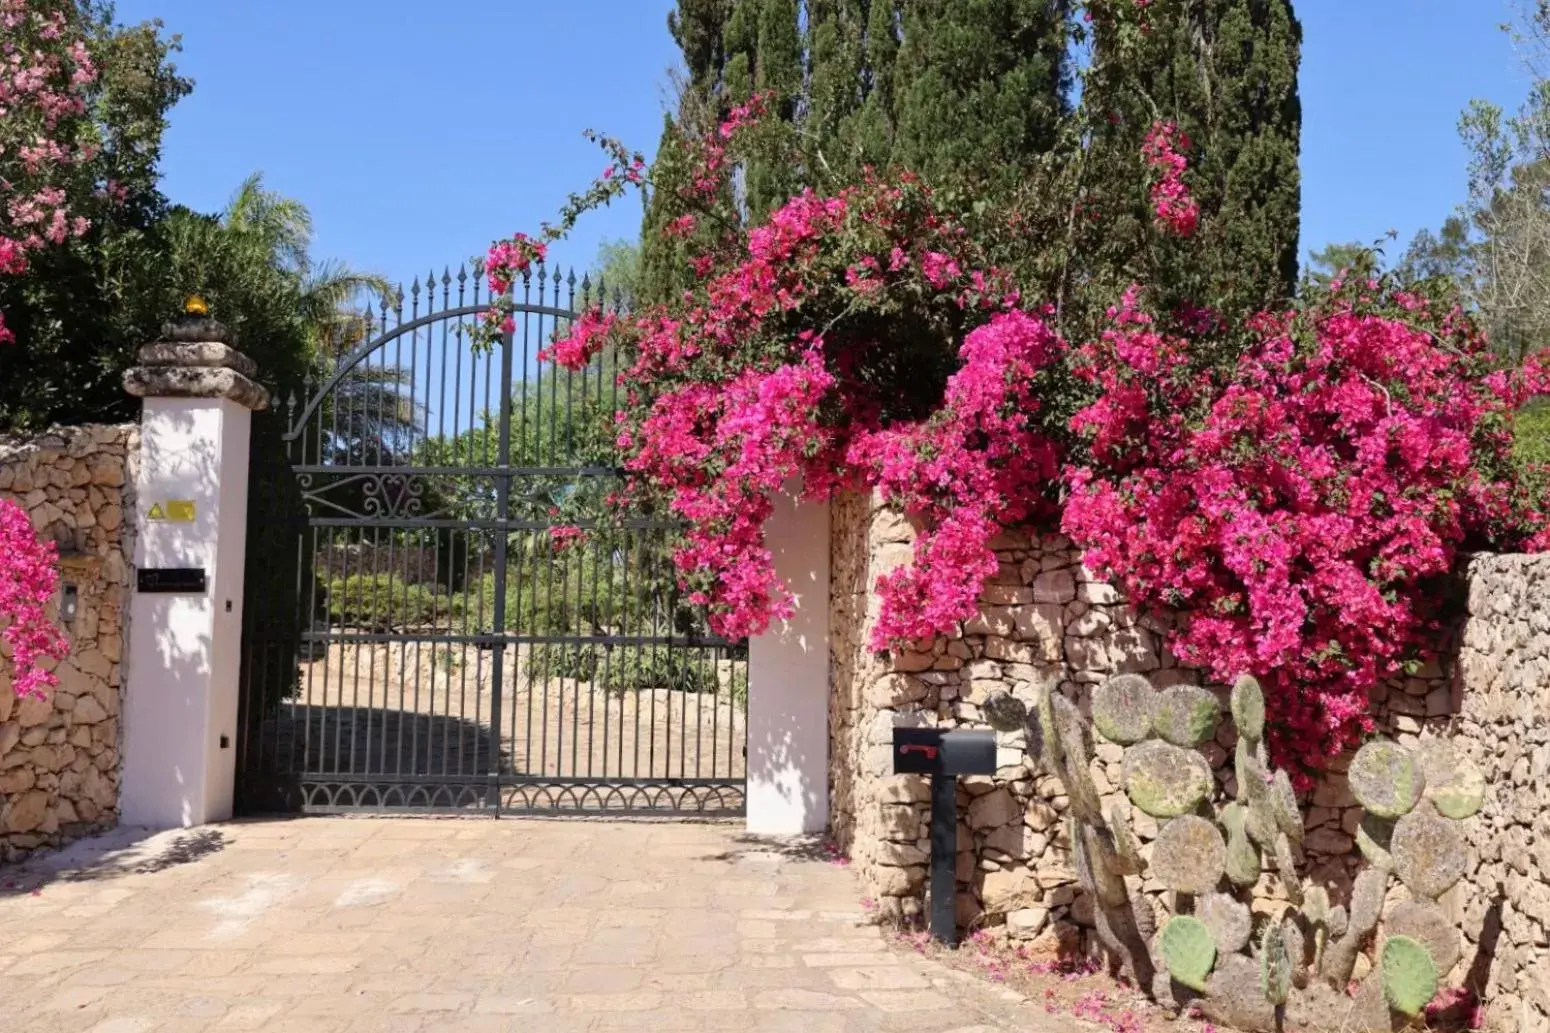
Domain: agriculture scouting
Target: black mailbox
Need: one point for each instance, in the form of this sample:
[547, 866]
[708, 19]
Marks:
[944, 756]
[932, 751]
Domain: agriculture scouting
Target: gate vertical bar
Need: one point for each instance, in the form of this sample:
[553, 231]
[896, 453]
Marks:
[498, 618]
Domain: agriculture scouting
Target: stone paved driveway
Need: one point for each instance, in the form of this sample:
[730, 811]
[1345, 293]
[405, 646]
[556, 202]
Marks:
[327, 925]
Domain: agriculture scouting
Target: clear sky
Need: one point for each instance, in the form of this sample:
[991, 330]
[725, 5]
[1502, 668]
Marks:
[416, 132]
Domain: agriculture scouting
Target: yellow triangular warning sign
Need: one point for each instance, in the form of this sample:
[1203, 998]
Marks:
[156, 512]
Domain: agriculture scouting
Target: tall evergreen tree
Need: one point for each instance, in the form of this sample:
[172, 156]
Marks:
[1226, 72]
[980, 87]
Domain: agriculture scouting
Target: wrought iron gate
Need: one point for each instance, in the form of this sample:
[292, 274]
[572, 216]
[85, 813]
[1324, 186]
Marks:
[438, 615]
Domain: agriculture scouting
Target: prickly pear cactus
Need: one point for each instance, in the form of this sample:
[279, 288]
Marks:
[1248, 708]
[1211, 853]
[1385, 779]
[1229, 919]
[1189, 855]
[1454, 784]
[1185, 715]
[1429, 852]
[1188, 951]
[1409, 975]
[1166, 780]
[1275, 965]
[1122, 708]
[1005, 712]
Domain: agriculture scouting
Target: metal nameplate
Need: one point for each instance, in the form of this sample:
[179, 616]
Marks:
[181, 580]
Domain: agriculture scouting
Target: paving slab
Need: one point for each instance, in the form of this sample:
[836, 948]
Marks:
[385, 924]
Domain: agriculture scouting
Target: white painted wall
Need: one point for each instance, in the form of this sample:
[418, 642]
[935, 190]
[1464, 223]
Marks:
[184, 650]
[788, 682]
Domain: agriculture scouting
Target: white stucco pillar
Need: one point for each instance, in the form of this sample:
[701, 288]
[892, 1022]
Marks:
[180, 698]
[788, 682]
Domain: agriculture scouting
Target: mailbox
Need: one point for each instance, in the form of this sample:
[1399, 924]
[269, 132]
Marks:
[932, 751]
[944, 756]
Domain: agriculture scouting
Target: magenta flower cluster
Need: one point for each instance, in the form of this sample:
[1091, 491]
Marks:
[1300, 508]
[1173, 209]
[29, 580]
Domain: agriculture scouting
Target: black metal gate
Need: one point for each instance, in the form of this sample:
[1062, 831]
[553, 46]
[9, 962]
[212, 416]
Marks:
[439, 617]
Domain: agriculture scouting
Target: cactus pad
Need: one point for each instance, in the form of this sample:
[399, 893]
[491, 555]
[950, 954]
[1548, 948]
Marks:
[1093, 871]
[1367, 895]
[1428, 925]
[1315, 905]
[1283, 804]
[1429, 853]
[1230, 921]
[1254, 793]
[1296, 949]
[1338, 921]
[1286, 865]
[1185, 715]
[1075, 745]
[1122, 708]
[1243, 862]
[1005, 712]
[1189, 855]
[1408, 973]
[1126, 848]
[1049, 740]
[1454, 784]
[1366, 905]
[1386, 779]
[1189, 951]
[1166, 780]
[1373, 836]
[1248, 708]
[1275, 965]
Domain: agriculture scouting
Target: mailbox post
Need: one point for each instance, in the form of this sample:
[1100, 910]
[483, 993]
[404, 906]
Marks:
[944, 756]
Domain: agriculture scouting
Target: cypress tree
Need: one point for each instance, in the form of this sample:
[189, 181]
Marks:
[1226, 72]
[779, 75]
[663, 273]
[980, 87]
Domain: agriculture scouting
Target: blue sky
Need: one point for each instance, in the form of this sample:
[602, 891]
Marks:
[416, 132]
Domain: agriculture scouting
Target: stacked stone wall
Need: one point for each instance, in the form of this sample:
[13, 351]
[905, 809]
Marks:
[60, 757]
[1045, 620]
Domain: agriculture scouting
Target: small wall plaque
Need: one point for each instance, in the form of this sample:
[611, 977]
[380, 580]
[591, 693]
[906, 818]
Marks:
[175, 511]
[168, 580]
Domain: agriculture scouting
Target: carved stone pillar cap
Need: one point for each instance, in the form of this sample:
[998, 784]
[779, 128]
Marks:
[195, 359]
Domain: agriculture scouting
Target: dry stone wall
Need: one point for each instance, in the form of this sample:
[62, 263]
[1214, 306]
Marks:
[1502, 721]
[1045, 620]
[59, 757]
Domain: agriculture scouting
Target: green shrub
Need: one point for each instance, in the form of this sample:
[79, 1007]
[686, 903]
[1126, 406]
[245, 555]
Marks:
[622, 669]
[381, 602]
[1531, 442]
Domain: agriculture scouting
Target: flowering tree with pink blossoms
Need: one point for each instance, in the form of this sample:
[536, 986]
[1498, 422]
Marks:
[1297, 506]
[45, 69]
[44, 72]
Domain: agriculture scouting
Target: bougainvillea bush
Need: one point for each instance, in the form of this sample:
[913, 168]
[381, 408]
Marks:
[1296, 504]
[27, 583]
[1300, 507]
